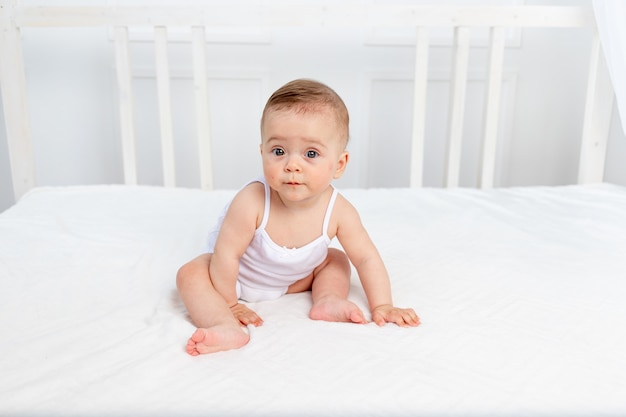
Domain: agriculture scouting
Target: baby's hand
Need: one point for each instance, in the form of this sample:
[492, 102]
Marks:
[245, 315]
[403, 317]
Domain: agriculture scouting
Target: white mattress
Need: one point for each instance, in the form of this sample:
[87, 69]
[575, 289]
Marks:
[522, 295]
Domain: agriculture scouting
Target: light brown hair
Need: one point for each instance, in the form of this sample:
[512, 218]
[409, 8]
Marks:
[303, 95]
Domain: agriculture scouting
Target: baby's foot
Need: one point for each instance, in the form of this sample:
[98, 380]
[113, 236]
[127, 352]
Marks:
[215, 339]
[333, 308]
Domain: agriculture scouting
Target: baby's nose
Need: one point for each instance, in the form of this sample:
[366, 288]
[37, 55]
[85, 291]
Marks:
[293, 164]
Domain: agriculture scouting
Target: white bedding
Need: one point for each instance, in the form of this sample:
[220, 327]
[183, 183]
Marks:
[522, 295]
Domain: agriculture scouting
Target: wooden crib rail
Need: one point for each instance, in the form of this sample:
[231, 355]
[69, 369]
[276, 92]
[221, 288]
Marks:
[387, 14]
[598, 103]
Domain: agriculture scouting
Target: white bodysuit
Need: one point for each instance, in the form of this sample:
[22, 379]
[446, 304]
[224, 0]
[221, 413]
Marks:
[266, 269]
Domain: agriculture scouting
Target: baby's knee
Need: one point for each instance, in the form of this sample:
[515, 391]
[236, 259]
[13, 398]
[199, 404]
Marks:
[339, 258]
[337, 254]
[191, 270]
[183, 274]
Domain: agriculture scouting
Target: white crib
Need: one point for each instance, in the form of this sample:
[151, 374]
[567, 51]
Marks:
[520, 289]
[598, 102]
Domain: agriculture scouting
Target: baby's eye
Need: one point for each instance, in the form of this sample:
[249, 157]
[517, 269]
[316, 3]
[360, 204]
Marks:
[278, 152]
[312, 154]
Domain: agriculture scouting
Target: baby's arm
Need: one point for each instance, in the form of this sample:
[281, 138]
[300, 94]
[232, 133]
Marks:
[370, 267]
[235, 235]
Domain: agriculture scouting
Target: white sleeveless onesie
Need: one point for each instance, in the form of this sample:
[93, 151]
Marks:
[266, 269]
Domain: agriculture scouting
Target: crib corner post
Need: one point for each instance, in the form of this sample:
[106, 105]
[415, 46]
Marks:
[13, 82]
[597, 117]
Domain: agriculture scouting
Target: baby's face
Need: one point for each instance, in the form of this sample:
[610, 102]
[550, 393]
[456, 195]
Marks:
[302, 151]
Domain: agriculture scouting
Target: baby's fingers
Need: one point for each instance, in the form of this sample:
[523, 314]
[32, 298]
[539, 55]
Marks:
[411, 318]
[404, 317]
[251, 318]
[379, 318]
[246, 316]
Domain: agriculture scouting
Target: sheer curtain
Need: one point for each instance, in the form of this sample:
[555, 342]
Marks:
[611, 20]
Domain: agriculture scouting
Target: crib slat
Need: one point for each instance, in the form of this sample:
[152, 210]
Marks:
[15, 106]
[420, 83]
[457, 105]
[597, 118]
[165, 106]
[492, 107]
[127, 127]
[200, 80]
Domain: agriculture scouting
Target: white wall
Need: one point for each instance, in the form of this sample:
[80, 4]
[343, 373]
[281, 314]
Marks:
[75, 126]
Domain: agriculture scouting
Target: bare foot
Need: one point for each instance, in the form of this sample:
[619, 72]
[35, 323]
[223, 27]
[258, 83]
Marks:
[215, 339]
[336, 309]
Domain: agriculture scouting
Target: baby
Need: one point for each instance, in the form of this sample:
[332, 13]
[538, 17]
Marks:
[273, 237]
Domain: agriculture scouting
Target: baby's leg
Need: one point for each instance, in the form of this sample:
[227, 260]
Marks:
[217, 329]
[330, 287]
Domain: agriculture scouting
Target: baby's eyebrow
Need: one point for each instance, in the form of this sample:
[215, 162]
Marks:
[309, 141]
[316, 142]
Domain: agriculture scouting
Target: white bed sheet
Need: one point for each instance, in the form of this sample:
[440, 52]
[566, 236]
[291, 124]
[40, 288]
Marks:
[522, 294]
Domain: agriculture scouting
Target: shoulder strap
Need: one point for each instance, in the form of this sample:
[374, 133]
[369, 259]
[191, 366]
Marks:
[266, 209]
[329, 211]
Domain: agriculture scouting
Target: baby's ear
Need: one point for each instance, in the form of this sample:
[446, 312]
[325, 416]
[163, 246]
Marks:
[341, 164]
